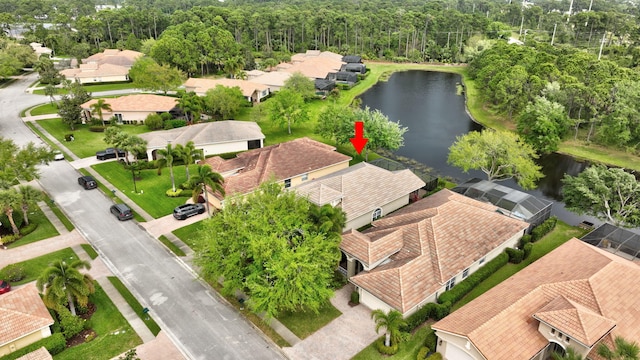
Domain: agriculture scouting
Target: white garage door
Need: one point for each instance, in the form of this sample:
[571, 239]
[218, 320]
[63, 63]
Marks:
[455, 353]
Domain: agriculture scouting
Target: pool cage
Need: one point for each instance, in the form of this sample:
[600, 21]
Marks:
[512, 202]
[619, 241]
[431, 182]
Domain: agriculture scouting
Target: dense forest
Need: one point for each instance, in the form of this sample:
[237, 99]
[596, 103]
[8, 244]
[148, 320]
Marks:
[575, 73]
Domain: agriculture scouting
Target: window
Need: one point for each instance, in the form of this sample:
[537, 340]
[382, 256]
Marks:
[377, 214]
[253, 144]
[482, 260]
[566, 339]
[451, 283]
[553, 331]
[305, 177]
[465, 273]
[287, 183]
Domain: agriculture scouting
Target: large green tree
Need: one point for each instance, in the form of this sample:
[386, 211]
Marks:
[29, 197]
[302, 85]
[336, 122]
[391, 322]
[9, 201]
[99, 107]
[266, 244]
[543, 124]
[381, 132]
[188, 153]
[223, 102]
[21, 163]
[287, 108]
[501, 155]
[63, 284]
[610, 194]
[69, 107]
[151, 76]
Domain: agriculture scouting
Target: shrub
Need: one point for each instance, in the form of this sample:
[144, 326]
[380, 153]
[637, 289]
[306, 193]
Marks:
[28, 229]
[355, 297]
[69, 137]
[515, 255]
[154, 122]
[431, 340]
[441, 310]
[464, 287]
[422, 354]
[96, 128]
[524, 240]
[71, 325]
[338, 280]
[419, 317]
[527, 250]
[171, 193]
[55, 344]
[435, 356]
[8, 239]
[386, 350]
[176, 123]
[543, 229]
[14, 272]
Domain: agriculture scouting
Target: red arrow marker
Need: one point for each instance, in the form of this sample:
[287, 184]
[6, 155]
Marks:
[359, 141]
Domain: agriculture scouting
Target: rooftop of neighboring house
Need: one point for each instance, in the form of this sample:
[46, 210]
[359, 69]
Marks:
[281, 161]
[427, 243]
[124, 58]
[361, 188]
[200, 86]
[137, 102]
[315, 67]
[39, 354]
[584, 292]
[273, 78]
[205, 134]
[94, 70]
[22, 312]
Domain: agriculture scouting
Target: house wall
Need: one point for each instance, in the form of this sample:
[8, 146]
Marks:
[214, 149]
[456, 347]
[137, 116]
[553, 335]
[372, 302]
[24, 341]
[99, 79]
[365, 219]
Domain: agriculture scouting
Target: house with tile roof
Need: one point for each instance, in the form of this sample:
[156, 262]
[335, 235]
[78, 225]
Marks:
[274, 80]
[365, 192]
[218, 137]
[25, 319]
[576, 296]
[118, 57]
[132, 109]
[290, 163]
[408, 258]
[112, 65]
[252, 91]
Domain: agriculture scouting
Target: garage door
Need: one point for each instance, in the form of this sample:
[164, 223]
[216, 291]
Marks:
[455, 353]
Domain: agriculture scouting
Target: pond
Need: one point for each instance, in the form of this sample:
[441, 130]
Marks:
[430, 105]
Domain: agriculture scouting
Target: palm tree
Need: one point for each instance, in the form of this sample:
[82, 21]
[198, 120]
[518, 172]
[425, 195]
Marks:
[189, 154]
[328, 219]
[166, 159]
[570, 354]
[203, 178]
[392, 322]
[29, 196]
[9, 200]
[623, 350]
[63, 284]
[98, 107]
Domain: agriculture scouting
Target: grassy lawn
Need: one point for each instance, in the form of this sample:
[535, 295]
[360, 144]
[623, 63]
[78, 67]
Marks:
[61, 216]
[114, 334]
[44, 230]
[42, 137]
[135, 305]
[561, 234]
[89, 250]
[33, 268]
[176, 250]
[86, 143]
[94, 88]
[189, 233]
[47, 108]
[407, 351]
[151, 187]
[304, 323]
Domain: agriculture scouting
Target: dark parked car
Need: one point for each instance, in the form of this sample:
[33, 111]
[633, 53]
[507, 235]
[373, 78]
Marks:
[5, 287]
[187, 210]
[109, 153]
[87, 182]
[122, 212]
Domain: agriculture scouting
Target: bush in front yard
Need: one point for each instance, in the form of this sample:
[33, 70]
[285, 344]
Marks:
[15, 272]
[527, 250]
[171, 193]
[543, 229]
[386, 350]
[515, 255]
[422, 354]
[435, 356]
[71, 325]
[355, 297]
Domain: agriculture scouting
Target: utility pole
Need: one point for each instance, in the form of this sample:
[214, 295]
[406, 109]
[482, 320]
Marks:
[554, 33]
[601, 45]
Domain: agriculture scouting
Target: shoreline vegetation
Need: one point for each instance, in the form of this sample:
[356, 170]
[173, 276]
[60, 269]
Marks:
[476, 109]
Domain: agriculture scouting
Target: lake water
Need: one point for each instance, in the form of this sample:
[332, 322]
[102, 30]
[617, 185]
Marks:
[429, 105]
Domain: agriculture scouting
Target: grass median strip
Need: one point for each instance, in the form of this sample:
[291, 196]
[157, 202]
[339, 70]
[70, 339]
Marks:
[89, 250]
[135, 305]
[56, 210]
[175, 249]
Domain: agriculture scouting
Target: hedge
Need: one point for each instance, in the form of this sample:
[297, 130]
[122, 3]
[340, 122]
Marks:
[543, 229]
[386, 350]
[524, 240]
[515, 255]
[435, 356]
[55, 344]
[527, 250]
[422, 354]
[464, 287]
[426, 312]
[431, 340]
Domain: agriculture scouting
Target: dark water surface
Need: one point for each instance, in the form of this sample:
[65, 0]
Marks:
[427, 103]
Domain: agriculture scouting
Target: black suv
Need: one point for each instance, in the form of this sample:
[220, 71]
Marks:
[187, 210]
[87, 182]
[109, 153]
[122, 212]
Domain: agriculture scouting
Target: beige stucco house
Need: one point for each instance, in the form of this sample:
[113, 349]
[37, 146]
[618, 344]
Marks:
[112, 65]
[131, 109]
[576, 296]
[218, 137]
[25, 319]
[290, 163]
[253, 92]
[409, 257]
[365, 192]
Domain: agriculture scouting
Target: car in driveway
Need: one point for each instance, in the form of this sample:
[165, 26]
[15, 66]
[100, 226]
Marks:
[109, 153]
[87, 182]
[5, 287]
[121, 212]
[187, 210]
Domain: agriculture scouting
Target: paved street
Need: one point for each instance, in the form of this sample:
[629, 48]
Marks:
[203, 324]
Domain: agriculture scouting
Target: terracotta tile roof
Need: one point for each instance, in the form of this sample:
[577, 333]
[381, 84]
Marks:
[200, 86]
[281, 161]
[95, 70]
[22, 313]
[124, 58]
[315, 68]
[593, 281]
[137, 102]
[40, 354]
[216, 132]
[441, 235]
[362, 188]
[273, 78]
